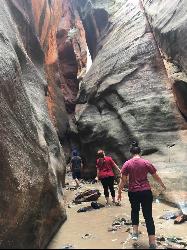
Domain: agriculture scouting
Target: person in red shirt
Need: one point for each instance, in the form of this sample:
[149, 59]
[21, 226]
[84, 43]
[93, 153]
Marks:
[135, 171]
[105, 174]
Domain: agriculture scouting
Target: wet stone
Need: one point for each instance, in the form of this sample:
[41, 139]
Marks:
[171, 215]
[88, 195]
[68, 246]
[180, 219]
[171, 242]
[87, 236]
[111, 229]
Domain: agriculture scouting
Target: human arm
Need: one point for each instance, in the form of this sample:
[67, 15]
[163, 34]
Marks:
[82, 165]
[123, 182]
[157, 178]
[97, 177]
[71, 167]
[153, 171]
[116, 166]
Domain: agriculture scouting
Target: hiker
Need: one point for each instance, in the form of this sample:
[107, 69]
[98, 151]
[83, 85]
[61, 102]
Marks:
[135, 172]
[76, 167]
[105, 174]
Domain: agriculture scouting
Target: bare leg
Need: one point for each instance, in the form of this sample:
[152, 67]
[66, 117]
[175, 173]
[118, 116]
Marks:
[77, 182]
[107, 200]
[152, 240]
[135, 234]
[135, 229]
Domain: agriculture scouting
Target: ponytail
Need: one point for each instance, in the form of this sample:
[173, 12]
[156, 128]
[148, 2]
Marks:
[100, 157]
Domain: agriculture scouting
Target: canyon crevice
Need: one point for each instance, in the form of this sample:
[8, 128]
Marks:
[134, 90]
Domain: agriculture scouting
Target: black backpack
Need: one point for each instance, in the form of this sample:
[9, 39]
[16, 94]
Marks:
[76, 163]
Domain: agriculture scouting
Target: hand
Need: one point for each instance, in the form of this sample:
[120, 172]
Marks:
[96, 178]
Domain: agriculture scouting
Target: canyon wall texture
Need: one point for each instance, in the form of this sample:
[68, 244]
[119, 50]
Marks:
[62, 38]
[72, 50]
[47, 16]
[127, 93]
[168, 22]
[170, 31]
[31, 159]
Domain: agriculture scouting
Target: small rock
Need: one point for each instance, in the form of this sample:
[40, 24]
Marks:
[180, 219]
[170, 215]
[161, 238]
[68, 246]
[136, 245]
[117, 223]
[87, 236]
[84, 209]
[77, 202]
[110, 229]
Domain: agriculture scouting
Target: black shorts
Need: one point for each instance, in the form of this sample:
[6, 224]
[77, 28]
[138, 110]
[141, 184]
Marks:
[76, 175]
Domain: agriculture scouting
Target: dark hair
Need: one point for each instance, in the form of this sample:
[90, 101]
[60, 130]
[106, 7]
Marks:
[100, 157]
[75, 153]
[100, 154]
[135, 149]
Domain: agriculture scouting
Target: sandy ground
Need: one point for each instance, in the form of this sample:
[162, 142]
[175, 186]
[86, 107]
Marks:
[96, 224]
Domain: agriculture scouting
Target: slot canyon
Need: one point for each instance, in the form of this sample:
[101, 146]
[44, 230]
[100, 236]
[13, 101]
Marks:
[90, 75]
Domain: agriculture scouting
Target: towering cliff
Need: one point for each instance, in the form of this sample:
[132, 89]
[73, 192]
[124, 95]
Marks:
[169, 28]
[72, 50]
[47, 16]
[31, 160]
[127, 94]
[62, 38]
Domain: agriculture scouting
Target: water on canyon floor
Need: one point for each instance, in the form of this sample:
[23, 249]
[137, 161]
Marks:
[89, 230]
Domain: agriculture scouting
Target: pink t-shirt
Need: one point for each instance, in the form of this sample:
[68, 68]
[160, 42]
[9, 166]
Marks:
[105, 169]
[137, 169]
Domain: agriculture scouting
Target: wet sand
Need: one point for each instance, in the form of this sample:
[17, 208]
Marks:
[97, 222]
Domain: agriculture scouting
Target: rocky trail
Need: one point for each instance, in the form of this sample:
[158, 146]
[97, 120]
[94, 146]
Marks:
[108, 227]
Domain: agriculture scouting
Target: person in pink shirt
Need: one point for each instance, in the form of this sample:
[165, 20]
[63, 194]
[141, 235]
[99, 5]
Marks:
[135, 172]
[105, 174]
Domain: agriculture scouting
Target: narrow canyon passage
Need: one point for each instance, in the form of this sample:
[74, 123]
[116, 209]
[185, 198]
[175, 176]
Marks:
[86, 75]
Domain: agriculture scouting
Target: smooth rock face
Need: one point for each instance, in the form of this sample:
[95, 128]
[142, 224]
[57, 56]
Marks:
[127, 95]
[168, 21]
[31, 158]
[47, 15]
[72, 51]
[170, 27]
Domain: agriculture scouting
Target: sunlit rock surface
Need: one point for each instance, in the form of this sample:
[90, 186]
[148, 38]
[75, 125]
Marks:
[47, 16]
[127, 94]
[31, 158]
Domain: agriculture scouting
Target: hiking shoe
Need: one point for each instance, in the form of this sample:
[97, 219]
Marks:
[118, 204]
[135, 236]
[152, 246]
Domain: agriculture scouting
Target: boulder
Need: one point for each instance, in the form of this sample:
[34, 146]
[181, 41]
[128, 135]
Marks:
[88, 195]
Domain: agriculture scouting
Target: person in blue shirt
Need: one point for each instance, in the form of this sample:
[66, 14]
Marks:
[76, 167]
